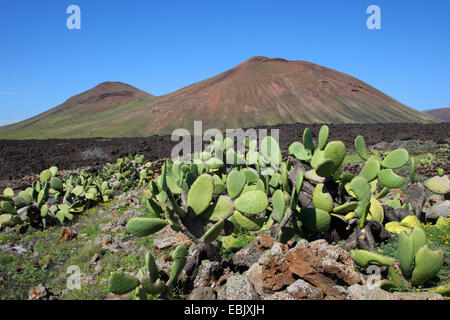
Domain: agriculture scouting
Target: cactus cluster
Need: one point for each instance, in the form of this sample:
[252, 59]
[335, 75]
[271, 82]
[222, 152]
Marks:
[148, 280]
[54, 199]
[416, 265]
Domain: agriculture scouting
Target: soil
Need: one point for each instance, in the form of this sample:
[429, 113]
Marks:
[21, 160]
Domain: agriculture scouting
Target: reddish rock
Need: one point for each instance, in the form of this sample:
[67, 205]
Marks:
[65, 234]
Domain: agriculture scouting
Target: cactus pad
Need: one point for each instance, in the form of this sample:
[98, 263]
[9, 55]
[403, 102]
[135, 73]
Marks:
[322, 198]
[200, 194]
[396, 159]
[141, 227]
[120, 283]
[249, 224]
[235, 183]
[323, 137]
[278, 205]
[387, 178]
[370, 169]
[252, 202]
[360, 147]
[335, 150]
[315, 219]
[427, 265]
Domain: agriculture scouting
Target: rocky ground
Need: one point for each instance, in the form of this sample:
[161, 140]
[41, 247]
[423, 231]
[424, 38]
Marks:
[41, 265]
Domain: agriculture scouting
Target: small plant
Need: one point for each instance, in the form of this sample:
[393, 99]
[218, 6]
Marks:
[94, 153]
[416, 265]
[148, 280]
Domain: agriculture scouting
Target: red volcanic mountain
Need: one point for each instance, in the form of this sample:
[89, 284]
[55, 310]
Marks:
[264, 91]
[441, 113]
[259, 91]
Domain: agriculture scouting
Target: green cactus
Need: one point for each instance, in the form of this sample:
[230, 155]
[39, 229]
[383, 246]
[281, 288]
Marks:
[325, 168]
[323, 137]
[370, 169]
[247, 223]
[278, 205]
[316, 220]
[120, 283]
[317, 158]
[335, 150]
[298, 150]
[346, 207]
[222, 209]
[396, 159]
[213, 232]
[141, 227]
[389, 179]
[322, 198]
[252, 202]
[235, 183]
[200, 194]
[308, 139]
[365, 258]
[412, 173]
[179, 257]
[360, 147]
[147, 281]
[416, 262]
[427, 265]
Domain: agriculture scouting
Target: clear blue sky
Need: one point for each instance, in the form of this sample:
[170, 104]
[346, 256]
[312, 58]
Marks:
[161, 46]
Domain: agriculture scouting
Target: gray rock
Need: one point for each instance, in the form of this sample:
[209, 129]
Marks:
[250, 253]
[416, 196]
[167, 238]
[403, 213]
[247, 256]
[18, 250]
[281, 295]
[359, 292]
[440, 209]
[208, 274]
[204, 293]
[238, 287]
[300, 289]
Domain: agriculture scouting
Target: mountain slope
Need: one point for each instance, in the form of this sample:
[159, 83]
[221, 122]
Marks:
[259, 91]
[98, 112]
[441, 113]
[264, 91]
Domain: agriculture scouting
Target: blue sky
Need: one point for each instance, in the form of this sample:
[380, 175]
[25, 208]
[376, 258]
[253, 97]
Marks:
[161, 46]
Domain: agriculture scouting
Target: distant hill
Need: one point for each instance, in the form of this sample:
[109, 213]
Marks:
[441, 113]
[259, 91]
[101, 111]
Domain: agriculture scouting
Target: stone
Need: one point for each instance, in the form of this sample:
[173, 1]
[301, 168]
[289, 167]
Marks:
[18, 250]
[208, 273]
[167, 238]
[238, 287]
[416, 196]
[65, 234]
[107, 227]
[324, 266]
[439, 185]
[300, 289]
[281, 295]
[276, 274]
[441, 209]
[250, 253]
[94, 259]
[360, 292]
[40, 292]
[203, 293]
